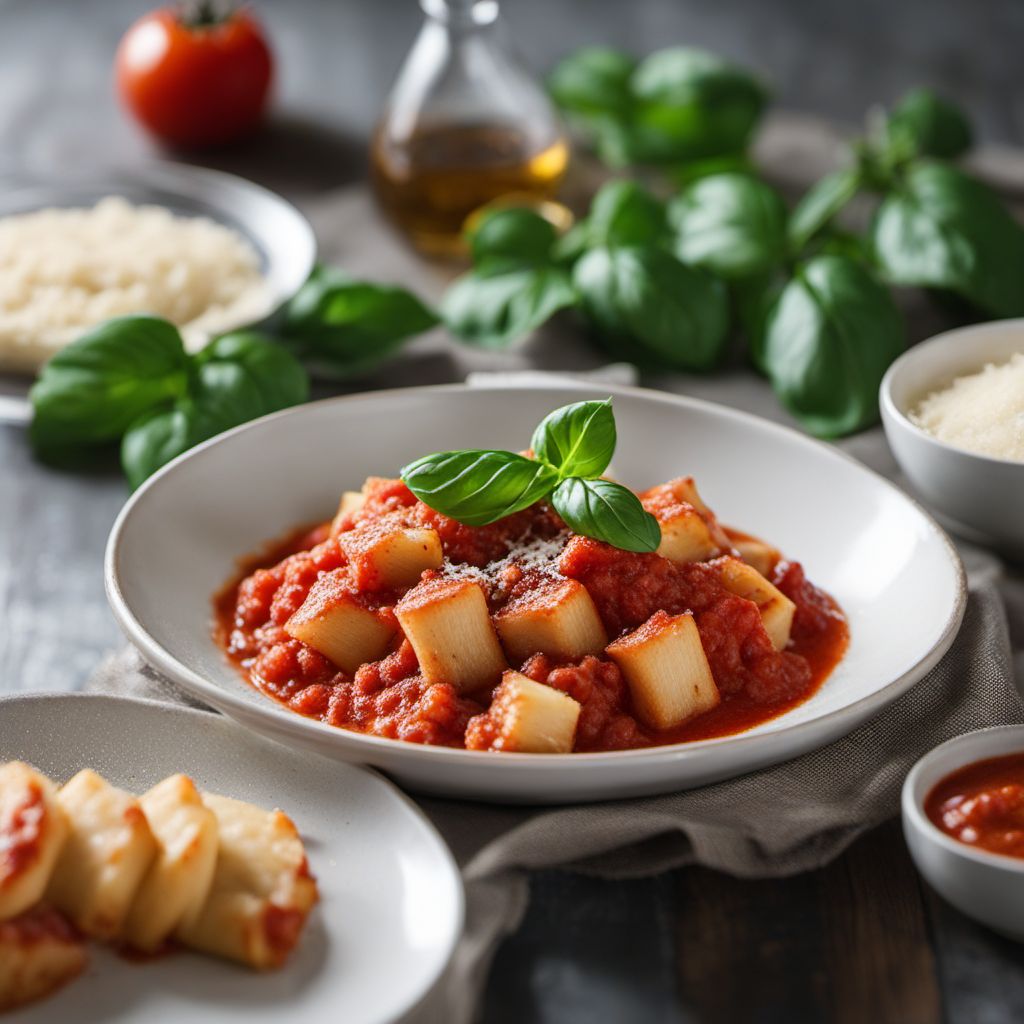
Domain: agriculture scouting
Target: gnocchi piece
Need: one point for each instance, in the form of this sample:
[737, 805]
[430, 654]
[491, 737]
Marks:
[39, 952]
[690, 531]
[385, 557]
[351, 504]
[776, 609]
[756, 553]
[108, 851]
[558, 618]
[32, 831]
[666, 670]
[177, 883]
[532, 717]
[262, 889]
[448, 625]
[332, 621]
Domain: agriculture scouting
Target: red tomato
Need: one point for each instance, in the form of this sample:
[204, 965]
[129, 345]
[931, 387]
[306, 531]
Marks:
[193, 82]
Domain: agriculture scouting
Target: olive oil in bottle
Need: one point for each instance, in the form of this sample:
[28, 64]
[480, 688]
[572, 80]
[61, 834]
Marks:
[465, 125]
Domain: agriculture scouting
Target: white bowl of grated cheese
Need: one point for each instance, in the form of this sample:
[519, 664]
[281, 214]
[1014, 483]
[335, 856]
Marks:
[953, 411]
[209, 251]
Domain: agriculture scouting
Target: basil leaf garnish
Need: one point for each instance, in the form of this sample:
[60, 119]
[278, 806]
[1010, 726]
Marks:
[578, 439]
[478, 487]
[606, 511]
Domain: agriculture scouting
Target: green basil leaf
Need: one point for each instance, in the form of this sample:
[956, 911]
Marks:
[238, 377]
[924, 124]
[646, 302]
[753, 299]
[623, 213]
[606, 511]
[578, 439]
[344, 327]
[592, 80]
[478, 487]
[821, 204]
[831, 336]
[493, 306]
[940, 228]
[91, 391]
[513, 234]
[731, 224]
[691, 105]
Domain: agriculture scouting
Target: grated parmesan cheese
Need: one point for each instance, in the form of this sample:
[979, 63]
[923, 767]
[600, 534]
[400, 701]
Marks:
[63, 271]
[981, 412]
[537, 553]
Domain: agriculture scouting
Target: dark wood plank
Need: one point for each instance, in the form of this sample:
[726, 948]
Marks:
[588, 950]
[982, 973]
[845, 944]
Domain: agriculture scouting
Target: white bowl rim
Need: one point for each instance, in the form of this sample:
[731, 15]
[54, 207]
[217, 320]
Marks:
[913, 809]
[166, 663]
[916, 352]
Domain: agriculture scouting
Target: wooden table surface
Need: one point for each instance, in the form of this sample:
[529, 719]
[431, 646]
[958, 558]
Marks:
[861, 940]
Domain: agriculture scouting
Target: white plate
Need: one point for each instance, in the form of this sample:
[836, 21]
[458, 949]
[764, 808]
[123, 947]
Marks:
[893, 570]
[390, 906]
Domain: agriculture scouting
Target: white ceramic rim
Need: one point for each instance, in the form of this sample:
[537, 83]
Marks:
[916, 352]
[198, 686]
[914, 809]
[425, 824]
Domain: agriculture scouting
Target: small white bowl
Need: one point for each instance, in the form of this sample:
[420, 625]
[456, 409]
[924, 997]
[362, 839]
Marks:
[986, 886]
[979, 497]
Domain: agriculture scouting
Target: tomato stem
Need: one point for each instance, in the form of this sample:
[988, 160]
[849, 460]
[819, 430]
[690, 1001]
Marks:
[205, 13]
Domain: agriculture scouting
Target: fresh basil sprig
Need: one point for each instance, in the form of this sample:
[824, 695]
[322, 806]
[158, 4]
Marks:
[829, 339]
[677, 105]
[343, 328]
[130, 379]
[572, 446]
[939, 228]
[516, 283]
[606, 511]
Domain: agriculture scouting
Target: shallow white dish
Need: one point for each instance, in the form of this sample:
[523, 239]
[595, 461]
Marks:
[390, 907]
[278, 232]
[892, 569]
[977, 496]
[986, 886]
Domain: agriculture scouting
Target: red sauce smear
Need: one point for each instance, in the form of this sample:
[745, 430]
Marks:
[390, 698]
[982, 805]
[20, 834]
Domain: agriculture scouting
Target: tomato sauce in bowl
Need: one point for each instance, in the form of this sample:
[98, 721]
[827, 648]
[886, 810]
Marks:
[982, 805]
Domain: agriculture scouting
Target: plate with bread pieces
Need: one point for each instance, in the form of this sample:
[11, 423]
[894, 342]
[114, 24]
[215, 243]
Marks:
[159, 864]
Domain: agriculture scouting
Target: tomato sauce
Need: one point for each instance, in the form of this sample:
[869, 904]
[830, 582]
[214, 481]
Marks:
[391, 698]
[982, 805]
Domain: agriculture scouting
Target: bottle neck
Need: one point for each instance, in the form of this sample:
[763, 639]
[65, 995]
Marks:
[461, 13]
